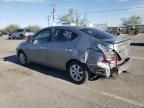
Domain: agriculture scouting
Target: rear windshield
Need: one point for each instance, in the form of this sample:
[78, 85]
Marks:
[27, 30]
[20, 30]
[97, 33]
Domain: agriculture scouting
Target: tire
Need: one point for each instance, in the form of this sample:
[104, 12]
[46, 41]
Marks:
[21, 36]
[22, 58]
[9, 38]
[78, 73]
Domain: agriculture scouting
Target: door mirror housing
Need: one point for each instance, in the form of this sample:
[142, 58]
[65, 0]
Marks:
[29, 39]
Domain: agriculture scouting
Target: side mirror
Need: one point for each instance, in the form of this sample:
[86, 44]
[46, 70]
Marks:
[29, 39]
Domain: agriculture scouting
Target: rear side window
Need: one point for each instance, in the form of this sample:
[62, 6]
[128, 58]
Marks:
[64, 35]
[97, 33]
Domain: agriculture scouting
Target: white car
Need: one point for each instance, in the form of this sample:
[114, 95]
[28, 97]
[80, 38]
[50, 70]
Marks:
[20, 34]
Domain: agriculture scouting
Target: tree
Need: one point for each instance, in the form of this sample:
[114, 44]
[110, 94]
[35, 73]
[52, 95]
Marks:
[133, 20]
[73, 17]
[34, 28]
[11, 27]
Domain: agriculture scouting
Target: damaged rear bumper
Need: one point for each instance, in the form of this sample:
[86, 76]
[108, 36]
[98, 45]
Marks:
[106, 69]
[123, 66]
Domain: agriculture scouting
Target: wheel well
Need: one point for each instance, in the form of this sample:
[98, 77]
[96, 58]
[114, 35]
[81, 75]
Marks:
[20, 50]
[74, 60]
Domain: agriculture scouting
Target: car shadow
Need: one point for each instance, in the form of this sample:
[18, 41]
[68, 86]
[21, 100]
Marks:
[137, 44]
[42, 69]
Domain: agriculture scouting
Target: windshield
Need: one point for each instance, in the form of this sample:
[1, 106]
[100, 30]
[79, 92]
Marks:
[97, 33]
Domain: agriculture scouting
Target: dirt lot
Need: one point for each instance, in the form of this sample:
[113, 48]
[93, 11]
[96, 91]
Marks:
[37, 86]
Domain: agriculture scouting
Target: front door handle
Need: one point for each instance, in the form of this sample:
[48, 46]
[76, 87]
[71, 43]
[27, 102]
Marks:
[42, 47]
[68, 50]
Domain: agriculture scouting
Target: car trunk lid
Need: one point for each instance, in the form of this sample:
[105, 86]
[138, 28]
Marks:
[121, 45]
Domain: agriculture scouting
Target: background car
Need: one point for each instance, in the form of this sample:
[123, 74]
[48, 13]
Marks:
[113, 30]
[81, 51]
[0, 33]
[20, 34]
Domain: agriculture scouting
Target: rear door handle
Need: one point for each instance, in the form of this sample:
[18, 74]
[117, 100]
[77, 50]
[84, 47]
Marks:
[68, 50]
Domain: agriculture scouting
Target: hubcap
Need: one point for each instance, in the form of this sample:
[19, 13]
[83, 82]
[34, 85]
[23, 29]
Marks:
[76, 72]
[22, 58]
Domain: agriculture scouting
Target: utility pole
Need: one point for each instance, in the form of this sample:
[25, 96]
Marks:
[85, 17]
[51, 16]
[53, 12]
[49, 20]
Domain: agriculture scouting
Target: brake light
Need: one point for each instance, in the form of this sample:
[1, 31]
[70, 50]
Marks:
[110, 58]
[108, 54]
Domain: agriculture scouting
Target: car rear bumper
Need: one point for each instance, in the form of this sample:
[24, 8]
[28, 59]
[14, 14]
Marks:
[105, 69]
[124, 65]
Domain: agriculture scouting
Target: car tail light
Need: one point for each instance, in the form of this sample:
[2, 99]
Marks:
[110, 58]
[108, 55]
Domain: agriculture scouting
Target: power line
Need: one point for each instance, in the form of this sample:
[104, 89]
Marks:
[114, 10]
[86, 12]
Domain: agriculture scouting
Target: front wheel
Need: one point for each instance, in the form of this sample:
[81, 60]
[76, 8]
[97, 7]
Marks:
[9, 38]
[78, 73]
[22, 58]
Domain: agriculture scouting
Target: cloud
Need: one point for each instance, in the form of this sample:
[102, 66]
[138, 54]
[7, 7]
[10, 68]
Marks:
[23, 0]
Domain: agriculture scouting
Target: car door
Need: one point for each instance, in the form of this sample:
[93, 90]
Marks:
[60, 49]
[38, 46]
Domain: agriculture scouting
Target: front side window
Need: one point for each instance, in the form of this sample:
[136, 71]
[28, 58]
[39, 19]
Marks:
[64, 35]
[43, 36]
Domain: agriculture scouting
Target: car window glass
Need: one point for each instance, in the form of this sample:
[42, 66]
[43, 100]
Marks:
[97, 33]
[20, 30]
[64, 35]
[27, 30]
[43, 36]
[60, 35]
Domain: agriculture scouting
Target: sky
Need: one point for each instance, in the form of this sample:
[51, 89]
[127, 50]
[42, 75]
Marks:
[29, 12]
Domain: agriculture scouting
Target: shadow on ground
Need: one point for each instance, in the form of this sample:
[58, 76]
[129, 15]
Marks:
[42, 69]
[137, 44]
[39, 68]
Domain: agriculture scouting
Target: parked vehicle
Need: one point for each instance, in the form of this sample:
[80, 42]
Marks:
[113, 30]
[129, 30]
[0, 33]
[81, 51]
[20, 34]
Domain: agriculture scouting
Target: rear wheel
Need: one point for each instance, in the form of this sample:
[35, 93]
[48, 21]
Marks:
[22, 58]
[77, 72]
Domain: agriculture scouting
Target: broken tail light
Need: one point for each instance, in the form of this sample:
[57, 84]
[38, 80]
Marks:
[108, 54]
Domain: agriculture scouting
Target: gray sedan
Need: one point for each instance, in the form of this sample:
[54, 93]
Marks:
[81, 51]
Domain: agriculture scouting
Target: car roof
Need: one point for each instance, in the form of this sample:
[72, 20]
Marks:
[67, 27]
